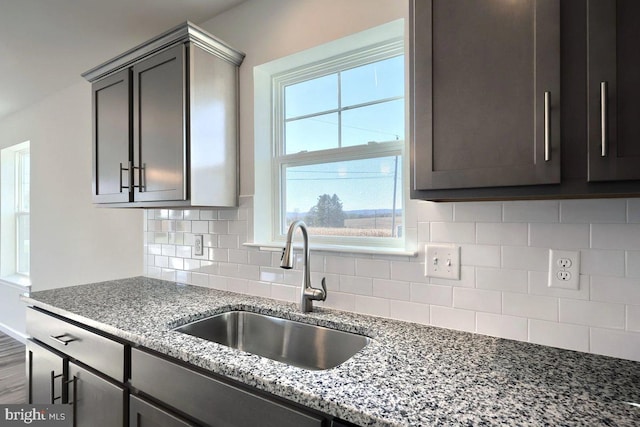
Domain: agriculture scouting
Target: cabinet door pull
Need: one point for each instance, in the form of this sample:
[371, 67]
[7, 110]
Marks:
[603, 118]
[547, 126]
[126, 187]
[74, 402]
[141, 172]
[53, 389]
[59, 340]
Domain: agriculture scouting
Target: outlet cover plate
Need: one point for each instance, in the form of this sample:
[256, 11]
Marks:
[442, 261]
[564, 269]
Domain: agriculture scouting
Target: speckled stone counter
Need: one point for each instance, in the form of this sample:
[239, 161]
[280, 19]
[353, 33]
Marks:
[409, 375]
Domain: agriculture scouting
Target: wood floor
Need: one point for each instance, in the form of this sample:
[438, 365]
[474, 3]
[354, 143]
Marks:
[12, 371]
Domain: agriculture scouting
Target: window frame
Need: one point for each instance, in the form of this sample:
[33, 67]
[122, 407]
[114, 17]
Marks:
[369, 54]
[20, 211]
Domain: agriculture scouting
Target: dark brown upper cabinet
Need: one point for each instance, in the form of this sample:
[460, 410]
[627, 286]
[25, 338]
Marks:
[165, 123]
[486, 80]
[482, 126]
[614, 89]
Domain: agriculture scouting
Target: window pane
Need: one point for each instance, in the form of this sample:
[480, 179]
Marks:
[22, 226]
[23, 191]
[311, 134]
[374, 123]
[349, 198]
[311, 96]
[379, 80]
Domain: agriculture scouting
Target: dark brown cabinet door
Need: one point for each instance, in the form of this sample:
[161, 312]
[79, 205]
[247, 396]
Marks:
[160, 132]
[111, 138]
[614, 89]
[485, 78]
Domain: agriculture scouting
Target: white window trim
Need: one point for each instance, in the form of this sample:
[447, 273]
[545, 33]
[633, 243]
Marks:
[363, 47]
[9, 213]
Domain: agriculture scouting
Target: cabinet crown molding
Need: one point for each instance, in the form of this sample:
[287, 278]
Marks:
[185, 32]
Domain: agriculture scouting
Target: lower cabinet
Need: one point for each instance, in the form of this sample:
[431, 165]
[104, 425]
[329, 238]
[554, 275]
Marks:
[96, 401]
[47, 374]
[146, 414]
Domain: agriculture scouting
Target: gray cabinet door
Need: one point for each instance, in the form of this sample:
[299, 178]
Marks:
[614, 89]
[96, 401]
[479, 74]
[111, 138]
[160, 133]
[46, 375]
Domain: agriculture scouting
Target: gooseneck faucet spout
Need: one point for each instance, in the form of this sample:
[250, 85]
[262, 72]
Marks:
[309, 293]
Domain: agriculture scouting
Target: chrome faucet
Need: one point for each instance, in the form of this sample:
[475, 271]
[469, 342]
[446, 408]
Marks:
[309, 294]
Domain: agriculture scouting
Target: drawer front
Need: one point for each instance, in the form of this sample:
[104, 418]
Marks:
[100, 353]
[209, 400]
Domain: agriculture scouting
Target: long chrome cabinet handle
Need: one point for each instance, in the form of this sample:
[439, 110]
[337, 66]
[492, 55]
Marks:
[604, 89]
[53, 388]
[59, 340]
[547, 126]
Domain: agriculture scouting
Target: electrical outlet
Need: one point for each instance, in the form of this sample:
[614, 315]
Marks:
[442, 261]
[198, 249]
[564, 269]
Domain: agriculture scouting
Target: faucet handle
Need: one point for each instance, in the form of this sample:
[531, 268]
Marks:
[324, 289]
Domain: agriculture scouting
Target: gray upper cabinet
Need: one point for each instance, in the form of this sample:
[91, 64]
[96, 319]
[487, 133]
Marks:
[165, 123]
[614, 89]
[485, 79]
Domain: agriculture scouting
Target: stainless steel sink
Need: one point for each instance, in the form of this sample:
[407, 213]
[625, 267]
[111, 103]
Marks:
[294, 343]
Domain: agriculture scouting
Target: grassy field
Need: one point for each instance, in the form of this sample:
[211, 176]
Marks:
[362, 227]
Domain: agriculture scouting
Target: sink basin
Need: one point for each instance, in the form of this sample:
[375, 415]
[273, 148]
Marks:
[294, 343]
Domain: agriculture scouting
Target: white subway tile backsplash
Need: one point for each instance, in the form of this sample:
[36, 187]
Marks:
[633, 211]
[512, 234]
[615, 289]
[477, 212]
[477, 300]
[554, 334]
[340, 265]
[625, 345]
[410, 312]
[597, 262]
[502, 279]
[391, 289]
[503, 288]
[373, 306]
[615, 236]
[593, 211]
[432, 294]
[453, 232]
[480, 255]
[547, 211]
[633, 318]
[559, 236]
[525, 258]
[515, 328]
[373, 268]
[356, 285]
[590, 313]
[453, 318]
[407, 271]
[530, 306]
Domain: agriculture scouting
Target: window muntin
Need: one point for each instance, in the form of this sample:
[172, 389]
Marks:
[339, 138]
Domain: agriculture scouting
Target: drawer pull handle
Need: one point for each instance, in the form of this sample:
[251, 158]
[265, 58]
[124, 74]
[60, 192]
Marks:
[60, 340]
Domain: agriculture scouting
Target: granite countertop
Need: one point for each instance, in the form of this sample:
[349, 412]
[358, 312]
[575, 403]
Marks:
[409, 375]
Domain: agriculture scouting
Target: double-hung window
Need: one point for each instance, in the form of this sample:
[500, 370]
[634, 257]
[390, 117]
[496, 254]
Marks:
[15, 172]
[337, 148]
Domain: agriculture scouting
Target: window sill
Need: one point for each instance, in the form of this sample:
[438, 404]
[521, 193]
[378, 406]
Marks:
[17, 281]
[274, 246]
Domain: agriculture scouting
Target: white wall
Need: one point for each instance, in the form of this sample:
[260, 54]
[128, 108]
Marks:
[503, 289]
[72, 242]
